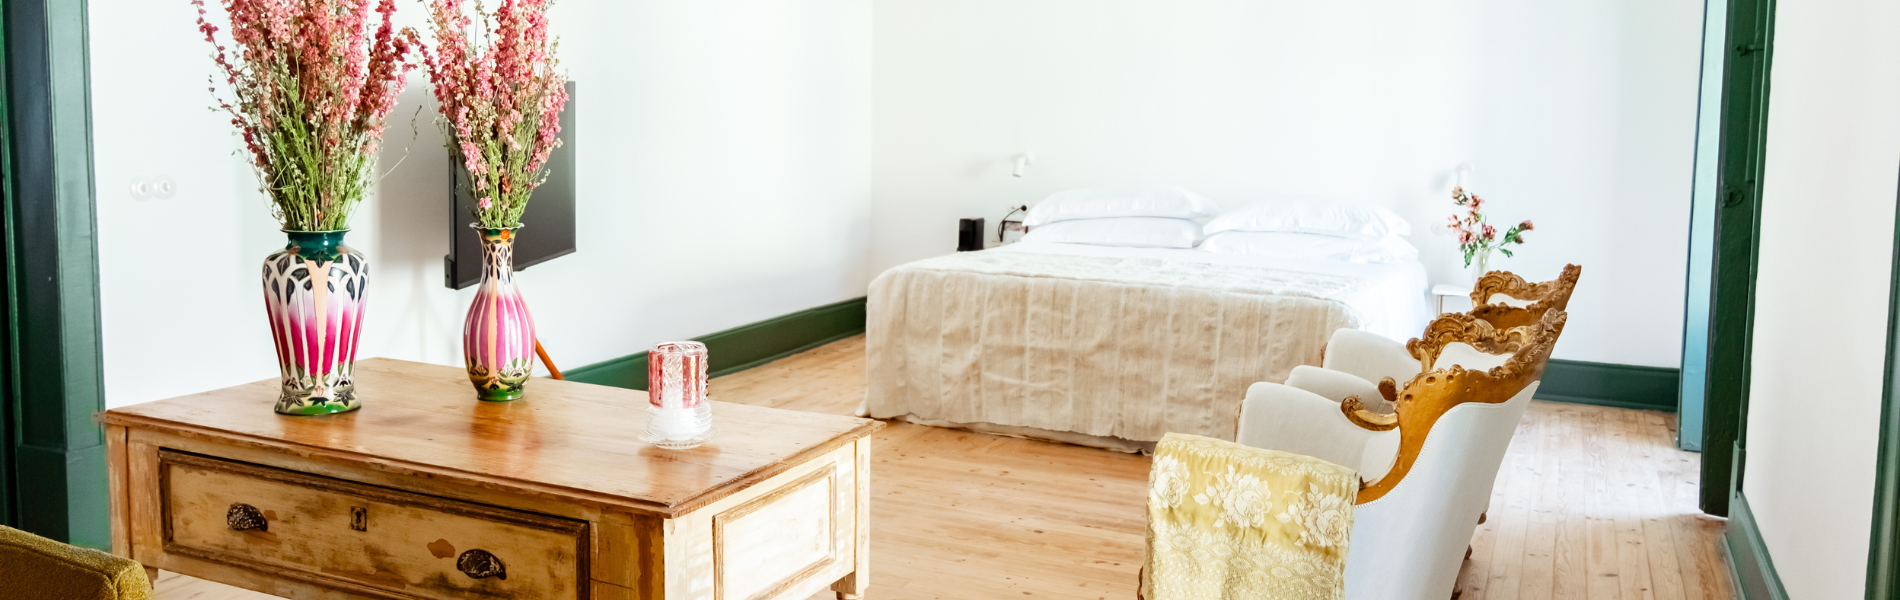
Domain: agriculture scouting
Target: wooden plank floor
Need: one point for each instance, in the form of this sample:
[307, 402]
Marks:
[1591, 503]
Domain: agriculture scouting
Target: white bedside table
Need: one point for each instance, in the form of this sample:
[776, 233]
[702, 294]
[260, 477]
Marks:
[1449, 289]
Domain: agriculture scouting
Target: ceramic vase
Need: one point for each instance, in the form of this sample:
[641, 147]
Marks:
[313, 293]
[498, 337]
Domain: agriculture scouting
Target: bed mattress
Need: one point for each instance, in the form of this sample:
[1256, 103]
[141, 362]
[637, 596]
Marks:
[1112, 343]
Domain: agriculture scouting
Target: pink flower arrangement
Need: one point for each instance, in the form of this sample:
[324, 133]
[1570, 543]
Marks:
[1476, 237]
[501, 101]
[311, 86]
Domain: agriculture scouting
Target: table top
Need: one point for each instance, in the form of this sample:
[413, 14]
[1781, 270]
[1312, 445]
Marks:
[564, 435]
[1452, 289]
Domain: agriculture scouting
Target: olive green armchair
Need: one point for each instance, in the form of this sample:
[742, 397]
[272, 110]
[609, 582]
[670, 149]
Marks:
[43, 569]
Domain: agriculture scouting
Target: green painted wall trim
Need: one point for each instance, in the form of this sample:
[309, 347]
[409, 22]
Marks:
[1748, 561]
[743, 347]
[1608, 384]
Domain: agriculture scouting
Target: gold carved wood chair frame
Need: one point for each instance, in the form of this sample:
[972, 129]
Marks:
[1544, 296]
[1432, 393]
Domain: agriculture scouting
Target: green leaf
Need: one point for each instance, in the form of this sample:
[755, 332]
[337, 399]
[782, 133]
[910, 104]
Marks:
[1506, 251]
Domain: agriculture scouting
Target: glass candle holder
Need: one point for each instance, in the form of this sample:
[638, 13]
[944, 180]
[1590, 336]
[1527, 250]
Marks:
[676, 396]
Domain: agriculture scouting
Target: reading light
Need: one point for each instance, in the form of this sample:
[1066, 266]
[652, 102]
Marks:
[1022, 162]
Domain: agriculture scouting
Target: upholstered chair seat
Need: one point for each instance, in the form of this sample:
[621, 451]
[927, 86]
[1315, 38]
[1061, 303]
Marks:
[43, 568]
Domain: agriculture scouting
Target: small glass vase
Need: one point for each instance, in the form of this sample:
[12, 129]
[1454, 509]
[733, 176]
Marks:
[680, 417]
[313, 294]
[1480, 264]
[498, 336]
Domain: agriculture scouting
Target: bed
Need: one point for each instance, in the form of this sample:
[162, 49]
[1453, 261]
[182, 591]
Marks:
[1112, 346]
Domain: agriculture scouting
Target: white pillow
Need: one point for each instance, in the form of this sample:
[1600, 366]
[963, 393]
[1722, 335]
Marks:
[1315, 216]
[1306, 246]
[1136, 201]
[1132, 232]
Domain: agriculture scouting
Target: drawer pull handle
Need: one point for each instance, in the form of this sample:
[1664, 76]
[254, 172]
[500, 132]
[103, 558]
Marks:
[480, 564]
[244, 517]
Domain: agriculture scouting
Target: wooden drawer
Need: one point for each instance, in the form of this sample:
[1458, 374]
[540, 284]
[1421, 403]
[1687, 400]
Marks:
[366, 540]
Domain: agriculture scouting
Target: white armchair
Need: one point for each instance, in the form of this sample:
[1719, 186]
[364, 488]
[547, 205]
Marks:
[1428, 468]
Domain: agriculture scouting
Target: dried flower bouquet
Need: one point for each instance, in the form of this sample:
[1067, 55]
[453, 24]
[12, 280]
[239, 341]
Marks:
[310, 87]
[501, 100]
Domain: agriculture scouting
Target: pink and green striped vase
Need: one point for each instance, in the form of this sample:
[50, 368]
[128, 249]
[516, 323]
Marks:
[313, 294]
[498, 337]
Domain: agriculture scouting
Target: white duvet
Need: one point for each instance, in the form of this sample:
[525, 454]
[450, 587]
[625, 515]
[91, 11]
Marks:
[1395, 302]
[1083, 343]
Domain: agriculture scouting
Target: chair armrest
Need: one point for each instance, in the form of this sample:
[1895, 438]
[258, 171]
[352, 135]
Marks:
[1289, 419]
[1337, 386]
[1369, 356]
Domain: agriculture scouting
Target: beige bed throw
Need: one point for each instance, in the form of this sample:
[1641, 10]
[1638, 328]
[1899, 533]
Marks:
[1130, 348]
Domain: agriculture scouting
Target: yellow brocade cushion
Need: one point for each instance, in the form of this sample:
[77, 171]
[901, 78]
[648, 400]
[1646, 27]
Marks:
[1232, 522]
[34, 567]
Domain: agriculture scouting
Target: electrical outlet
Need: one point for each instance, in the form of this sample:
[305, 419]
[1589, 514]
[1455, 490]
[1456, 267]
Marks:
[163, 187]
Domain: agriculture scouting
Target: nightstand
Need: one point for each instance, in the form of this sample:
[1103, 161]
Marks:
[1442, 290]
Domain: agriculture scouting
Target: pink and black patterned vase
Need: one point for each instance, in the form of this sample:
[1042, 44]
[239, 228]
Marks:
[498, 337]
[313, 293]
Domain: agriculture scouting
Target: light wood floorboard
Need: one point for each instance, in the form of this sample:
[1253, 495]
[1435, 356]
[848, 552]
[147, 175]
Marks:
[1592, 502]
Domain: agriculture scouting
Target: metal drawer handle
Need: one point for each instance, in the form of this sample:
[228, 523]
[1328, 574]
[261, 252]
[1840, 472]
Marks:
[480, 564]
[244, 517]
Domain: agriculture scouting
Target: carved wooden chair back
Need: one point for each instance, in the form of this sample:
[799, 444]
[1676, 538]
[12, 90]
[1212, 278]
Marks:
[1427, 397]
[1544, 296]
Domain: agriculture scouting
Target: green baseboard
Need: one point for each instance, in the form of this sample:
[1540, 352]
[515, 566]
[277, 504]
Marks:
[742, 347]
[1609, 384]
[1748, 560]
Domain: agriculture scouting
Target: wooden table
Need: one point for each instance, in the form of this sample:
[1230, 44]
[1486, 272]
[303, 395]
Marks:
[426, 493]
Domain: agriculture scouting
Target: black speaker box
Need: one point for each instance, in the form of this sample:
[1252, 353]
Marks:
[969, 235]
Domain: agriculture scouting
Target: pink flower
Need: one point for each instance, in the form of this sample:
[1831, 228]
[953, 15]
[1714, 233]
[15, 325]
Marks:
[1490, 233]
[312, 63]
[1464, 237]
[1476, 203]
[500, 94]
[1525, 226]
[484, 204]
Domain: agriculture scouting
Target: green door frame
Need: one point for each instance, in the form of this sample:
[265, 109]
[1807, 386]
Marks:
[1883, 549]
[1740, 162]
[56, 481]
[7, 514]
[1703, 201]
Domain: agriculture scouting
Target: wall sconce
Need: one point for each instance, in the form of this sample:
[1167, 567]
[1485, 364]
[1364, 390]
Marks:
[1461, 176]
[1022, 163]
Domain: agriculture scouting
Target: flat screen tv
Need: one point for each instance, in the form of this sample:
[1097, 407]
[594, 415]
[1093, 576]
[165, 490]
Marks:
[547, 227]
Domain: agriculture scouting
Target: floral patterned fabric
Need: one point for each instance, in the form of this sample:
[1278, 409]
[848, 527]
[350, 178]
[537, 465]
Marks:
[1232, 522]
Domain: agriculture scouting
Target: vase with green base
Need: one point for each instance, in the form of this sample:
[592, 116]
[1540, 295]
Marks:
[498, 337]
[313, 294]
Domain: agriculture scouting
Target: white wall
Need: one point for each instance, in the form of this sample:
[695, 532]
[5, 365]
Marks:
[1579, 114]
[708, 131]
[1827, 237]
